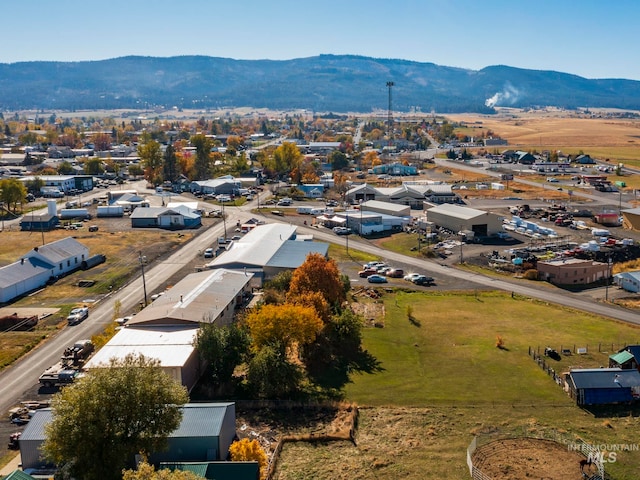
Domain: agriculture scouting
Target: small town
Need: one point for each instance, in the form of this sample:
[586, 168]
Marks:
[354, 240]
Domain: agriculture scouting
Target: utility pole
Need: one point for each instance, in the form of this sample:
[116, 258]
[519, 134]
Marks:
[390, 116]
[142, 259]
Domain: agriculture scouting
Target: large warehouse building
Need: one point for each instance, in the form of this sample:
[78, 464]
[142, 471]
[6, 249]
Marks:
[458, 218]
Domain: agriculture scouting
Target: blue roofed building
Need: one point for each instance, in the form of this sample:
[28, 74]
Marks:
[604, 386]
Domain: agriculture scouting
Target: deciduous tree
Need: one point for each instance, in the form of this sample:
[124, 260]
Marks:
[202, 162]
[12, 193]
[151, 156]
[246, 450]
[146, 471]
[318, 274]
[222, 349]
[100, 422]
[285, 325]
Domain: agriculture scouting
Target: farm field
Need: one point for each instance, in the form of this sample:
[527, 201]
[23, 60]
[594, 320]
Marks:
[442, 380]
[603, 138]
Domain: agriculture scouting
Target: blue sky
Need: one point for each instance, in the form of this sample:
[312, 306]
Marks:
[593, 39]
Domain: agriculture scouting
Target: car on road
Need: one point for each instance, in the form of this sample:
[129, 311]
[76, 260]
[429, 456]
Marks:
[377, 279]
[341, 230]
[77, 315]
[208, 253]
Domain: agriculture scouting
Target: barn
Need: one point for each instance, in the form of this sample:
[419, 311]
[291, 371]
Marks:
[604, 386]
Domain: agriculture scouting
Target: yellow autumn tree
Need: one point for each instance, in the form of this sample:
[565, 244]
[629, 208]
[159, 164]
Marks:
[285, 325]
[318, 274]
[315, 300]
[246, 450]
[146, 471]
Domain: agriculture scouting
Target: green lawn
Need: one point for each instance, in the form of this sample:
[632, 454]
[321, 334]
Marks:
[446, 360]
[449, 349]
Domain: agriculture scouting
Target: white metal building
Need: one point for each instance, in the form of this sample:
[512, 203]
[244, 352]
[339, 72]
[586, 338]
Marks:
[267, 250]
[39, 265]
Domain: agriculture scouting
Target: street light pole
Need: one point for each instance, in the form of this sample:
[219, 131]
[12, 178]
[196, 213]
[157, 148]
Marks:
[360, 202]
[142, 259]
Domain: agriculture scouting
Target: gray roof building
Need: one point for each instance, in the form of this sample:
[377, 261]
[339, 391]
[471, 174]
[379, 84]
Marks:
[205, 434]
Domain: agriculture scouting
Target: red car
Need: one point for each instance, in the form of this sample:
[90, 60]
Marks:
[367, 272]
[395, 273]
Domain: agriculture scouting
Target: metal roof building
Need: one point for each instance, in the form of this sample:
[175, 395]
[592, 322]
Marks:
[458, 218]
[602, 386]
[205, 434]
[267, 250]
[171, 346]
[39, 265]
[210, 296]
[166, 328]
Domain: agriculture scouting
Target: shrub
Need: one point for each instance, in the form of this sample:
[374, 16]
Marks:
[531, 274]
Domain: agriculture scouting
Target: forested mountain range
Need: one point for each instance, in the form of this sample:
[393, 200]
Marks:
[325, 83]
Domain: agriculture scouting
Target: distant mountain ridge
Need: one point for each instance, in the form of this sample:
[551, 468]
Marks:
[335, 83]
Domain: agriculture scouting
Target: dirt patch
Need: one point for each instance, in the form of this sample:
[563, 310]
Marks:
[518, 458]
[372, 312]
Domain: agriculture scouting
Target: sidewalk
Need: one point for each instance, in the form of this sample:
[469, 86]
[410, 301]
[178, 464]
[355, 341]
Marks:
[11, 466]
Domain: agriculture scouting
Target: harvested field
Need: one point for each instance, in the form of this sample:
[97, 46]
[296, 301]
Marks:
[570, 132]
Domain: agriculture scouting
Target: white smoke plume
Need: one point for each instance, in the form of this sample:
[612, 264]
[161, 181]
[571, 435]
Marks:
[507, 97]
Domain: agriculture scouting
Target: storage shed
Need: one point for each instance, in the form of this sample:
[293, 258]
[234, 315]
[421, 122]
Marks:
[604, 386]
[39, 223]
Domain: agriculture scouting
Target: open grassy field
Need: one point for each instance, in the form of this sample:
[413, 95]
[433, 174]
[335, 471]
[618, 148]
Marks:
[614, 138]
[443, 380]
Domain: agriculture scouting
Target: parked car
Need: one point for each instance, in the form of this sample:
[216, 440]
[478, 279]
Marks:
[409, 277]
[423, 280]
[395, 273]
[367, 272]
[377, 279]
[208, 253]
[77, 315]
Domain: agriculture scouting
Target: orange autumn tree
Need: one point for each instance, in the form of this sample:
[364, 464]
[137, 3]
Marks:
[246, 450]
[318, 274]
[286, 325]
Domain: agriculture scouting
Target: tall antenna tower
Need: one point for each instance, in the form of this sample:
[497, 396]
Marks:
[390, 116]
